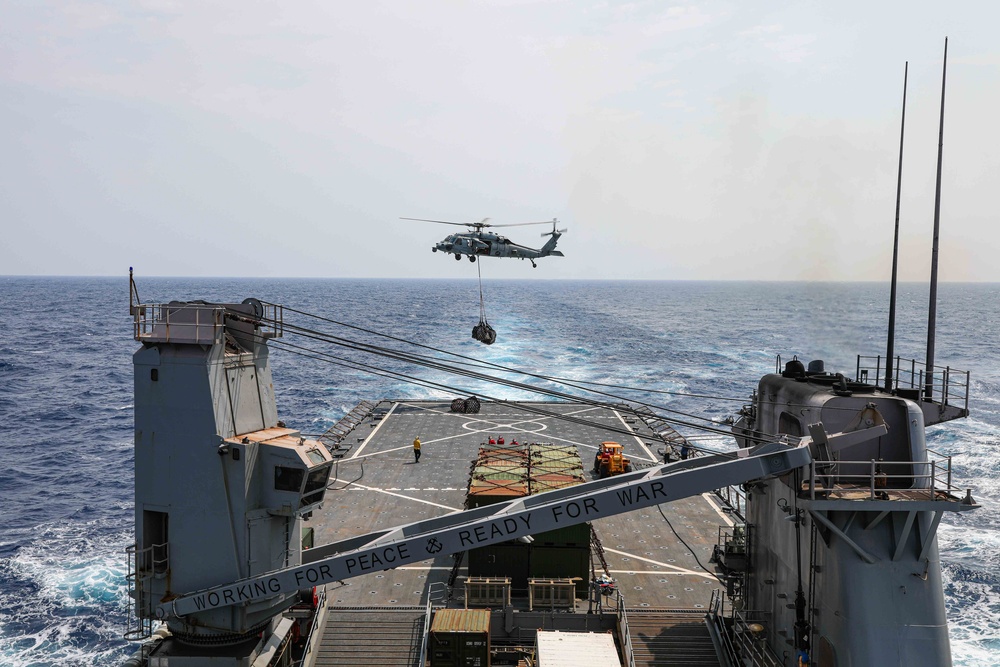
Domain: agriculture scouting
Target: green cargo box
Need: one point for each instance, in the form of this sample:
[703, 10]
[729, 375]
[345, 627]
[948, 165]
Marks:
[561, 563]
[577, 536]
[507, 559]
[460, 638]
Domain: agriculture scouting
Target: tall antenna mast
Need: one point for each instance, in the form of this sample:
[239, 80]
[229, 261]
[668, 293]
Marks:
[932, 309]
[895, 246]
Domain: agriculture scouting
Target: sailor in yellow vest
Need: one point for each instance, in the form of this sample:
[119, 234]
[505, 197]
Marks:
[416, 449]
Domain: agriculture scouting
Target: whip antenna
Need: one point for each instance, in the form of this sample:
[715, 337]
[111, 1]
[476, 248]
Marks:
[932, 308]
[895, 246]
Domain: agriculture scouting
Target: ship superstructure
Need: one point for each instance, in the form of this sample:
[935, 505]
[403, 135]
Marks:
[842, 555]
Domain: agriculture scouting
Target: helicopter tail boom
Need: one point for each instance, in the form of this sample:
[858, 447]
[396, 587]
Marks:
[550, 246]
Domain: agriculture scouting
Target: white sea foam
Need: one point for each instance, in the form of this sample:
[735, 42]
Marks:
[69, 586]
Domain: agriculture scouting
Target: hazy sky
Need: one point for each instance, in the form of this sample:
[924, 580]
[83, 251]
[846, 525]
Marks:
[707, 140]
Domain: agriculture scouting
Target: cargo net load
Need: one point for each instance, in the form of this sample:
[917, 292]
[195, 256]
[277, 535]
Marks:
[506, 469]
[483, 332]
[469, 406]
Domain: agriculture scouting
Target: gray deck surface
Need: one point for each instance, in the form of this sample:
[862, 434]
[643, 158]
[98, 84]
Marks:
[379, 486]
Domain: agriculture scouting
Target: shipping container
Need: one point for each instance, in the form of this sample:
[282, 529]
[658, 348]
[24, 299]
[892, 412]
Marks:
[575, 649]
[460, 638]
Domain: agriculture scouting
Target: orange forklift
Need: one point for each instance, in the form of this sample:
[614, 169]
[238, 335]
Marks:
[610, 460]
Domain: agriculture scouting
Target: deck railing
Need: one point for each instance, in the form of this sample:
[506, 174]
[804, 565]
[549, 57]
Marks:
[735, 501]
[312, 636]
[623, 631]
[143, 565]
[200, 323]
[947, 385]
[422, 659]
[932, 477]
[748, 639]
[720, 631]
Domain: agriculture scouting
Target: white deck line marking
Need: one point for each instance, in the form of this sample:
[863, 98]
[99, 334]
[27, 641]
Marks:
[424, 568]
[661, 573]
[471, 431]
[549, 436]
[400, 495]
[511, 425]
[374, 431]
[386, 451]
[682, 570]
[636, 436]
[710, 498]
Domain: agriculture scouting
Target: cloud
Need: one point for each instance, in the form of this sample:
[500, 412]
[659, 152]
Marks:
[676, 19]
[760, 30]
[791, 48]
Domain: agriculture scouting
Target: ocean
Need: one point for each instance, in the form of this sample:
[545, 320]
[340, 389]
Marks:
[66, 462]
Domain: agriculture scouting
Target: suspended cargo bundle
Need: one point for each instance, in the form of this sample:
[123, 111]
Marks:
[484, 333]
[472, 405]
[458, 405]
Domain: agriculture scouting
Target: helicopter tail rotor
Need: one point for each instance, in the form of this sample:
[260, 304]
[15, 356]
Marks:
[554, 230]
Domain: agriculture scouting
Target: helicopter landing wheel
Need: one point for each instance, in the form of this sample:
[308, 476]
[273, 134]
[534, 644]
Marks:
[472, 258]
[458, 257]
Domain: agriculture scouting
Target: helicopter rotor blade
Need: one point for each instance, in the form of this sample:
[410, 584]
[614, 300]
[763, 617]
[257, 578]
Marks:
[522, 224]
[477, 225]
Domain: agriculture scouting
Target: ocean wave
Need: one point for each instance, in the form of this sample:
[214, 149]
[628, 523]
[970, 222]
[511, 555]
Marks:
[63, 596]
[973, 606]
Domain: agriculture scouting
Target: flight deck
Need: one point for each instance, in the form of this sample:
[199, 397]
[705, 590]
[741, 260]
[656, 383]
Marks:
[657, 555]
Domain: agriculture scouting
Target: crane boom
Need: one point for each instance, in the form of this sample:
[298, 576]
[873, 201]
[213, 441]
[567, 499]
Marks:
[482, 526]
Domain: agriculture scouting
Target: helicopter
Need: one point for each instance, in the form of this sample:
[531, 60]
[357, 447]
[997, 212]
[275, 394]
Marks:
[478, 242]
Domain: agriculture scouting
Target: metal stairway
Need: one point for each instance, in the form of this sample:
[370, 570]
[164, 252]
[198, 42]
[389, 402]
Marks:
[356, 637]
[674, 639]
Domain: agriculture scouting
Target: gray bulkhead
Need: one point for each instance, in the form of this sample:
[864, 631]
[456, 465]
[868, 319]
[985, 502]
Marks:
[871, 602]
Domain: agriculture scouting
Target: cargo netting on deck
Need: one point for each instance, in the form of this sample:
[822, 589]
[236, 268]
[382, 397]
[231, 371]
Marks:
[512, 470]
